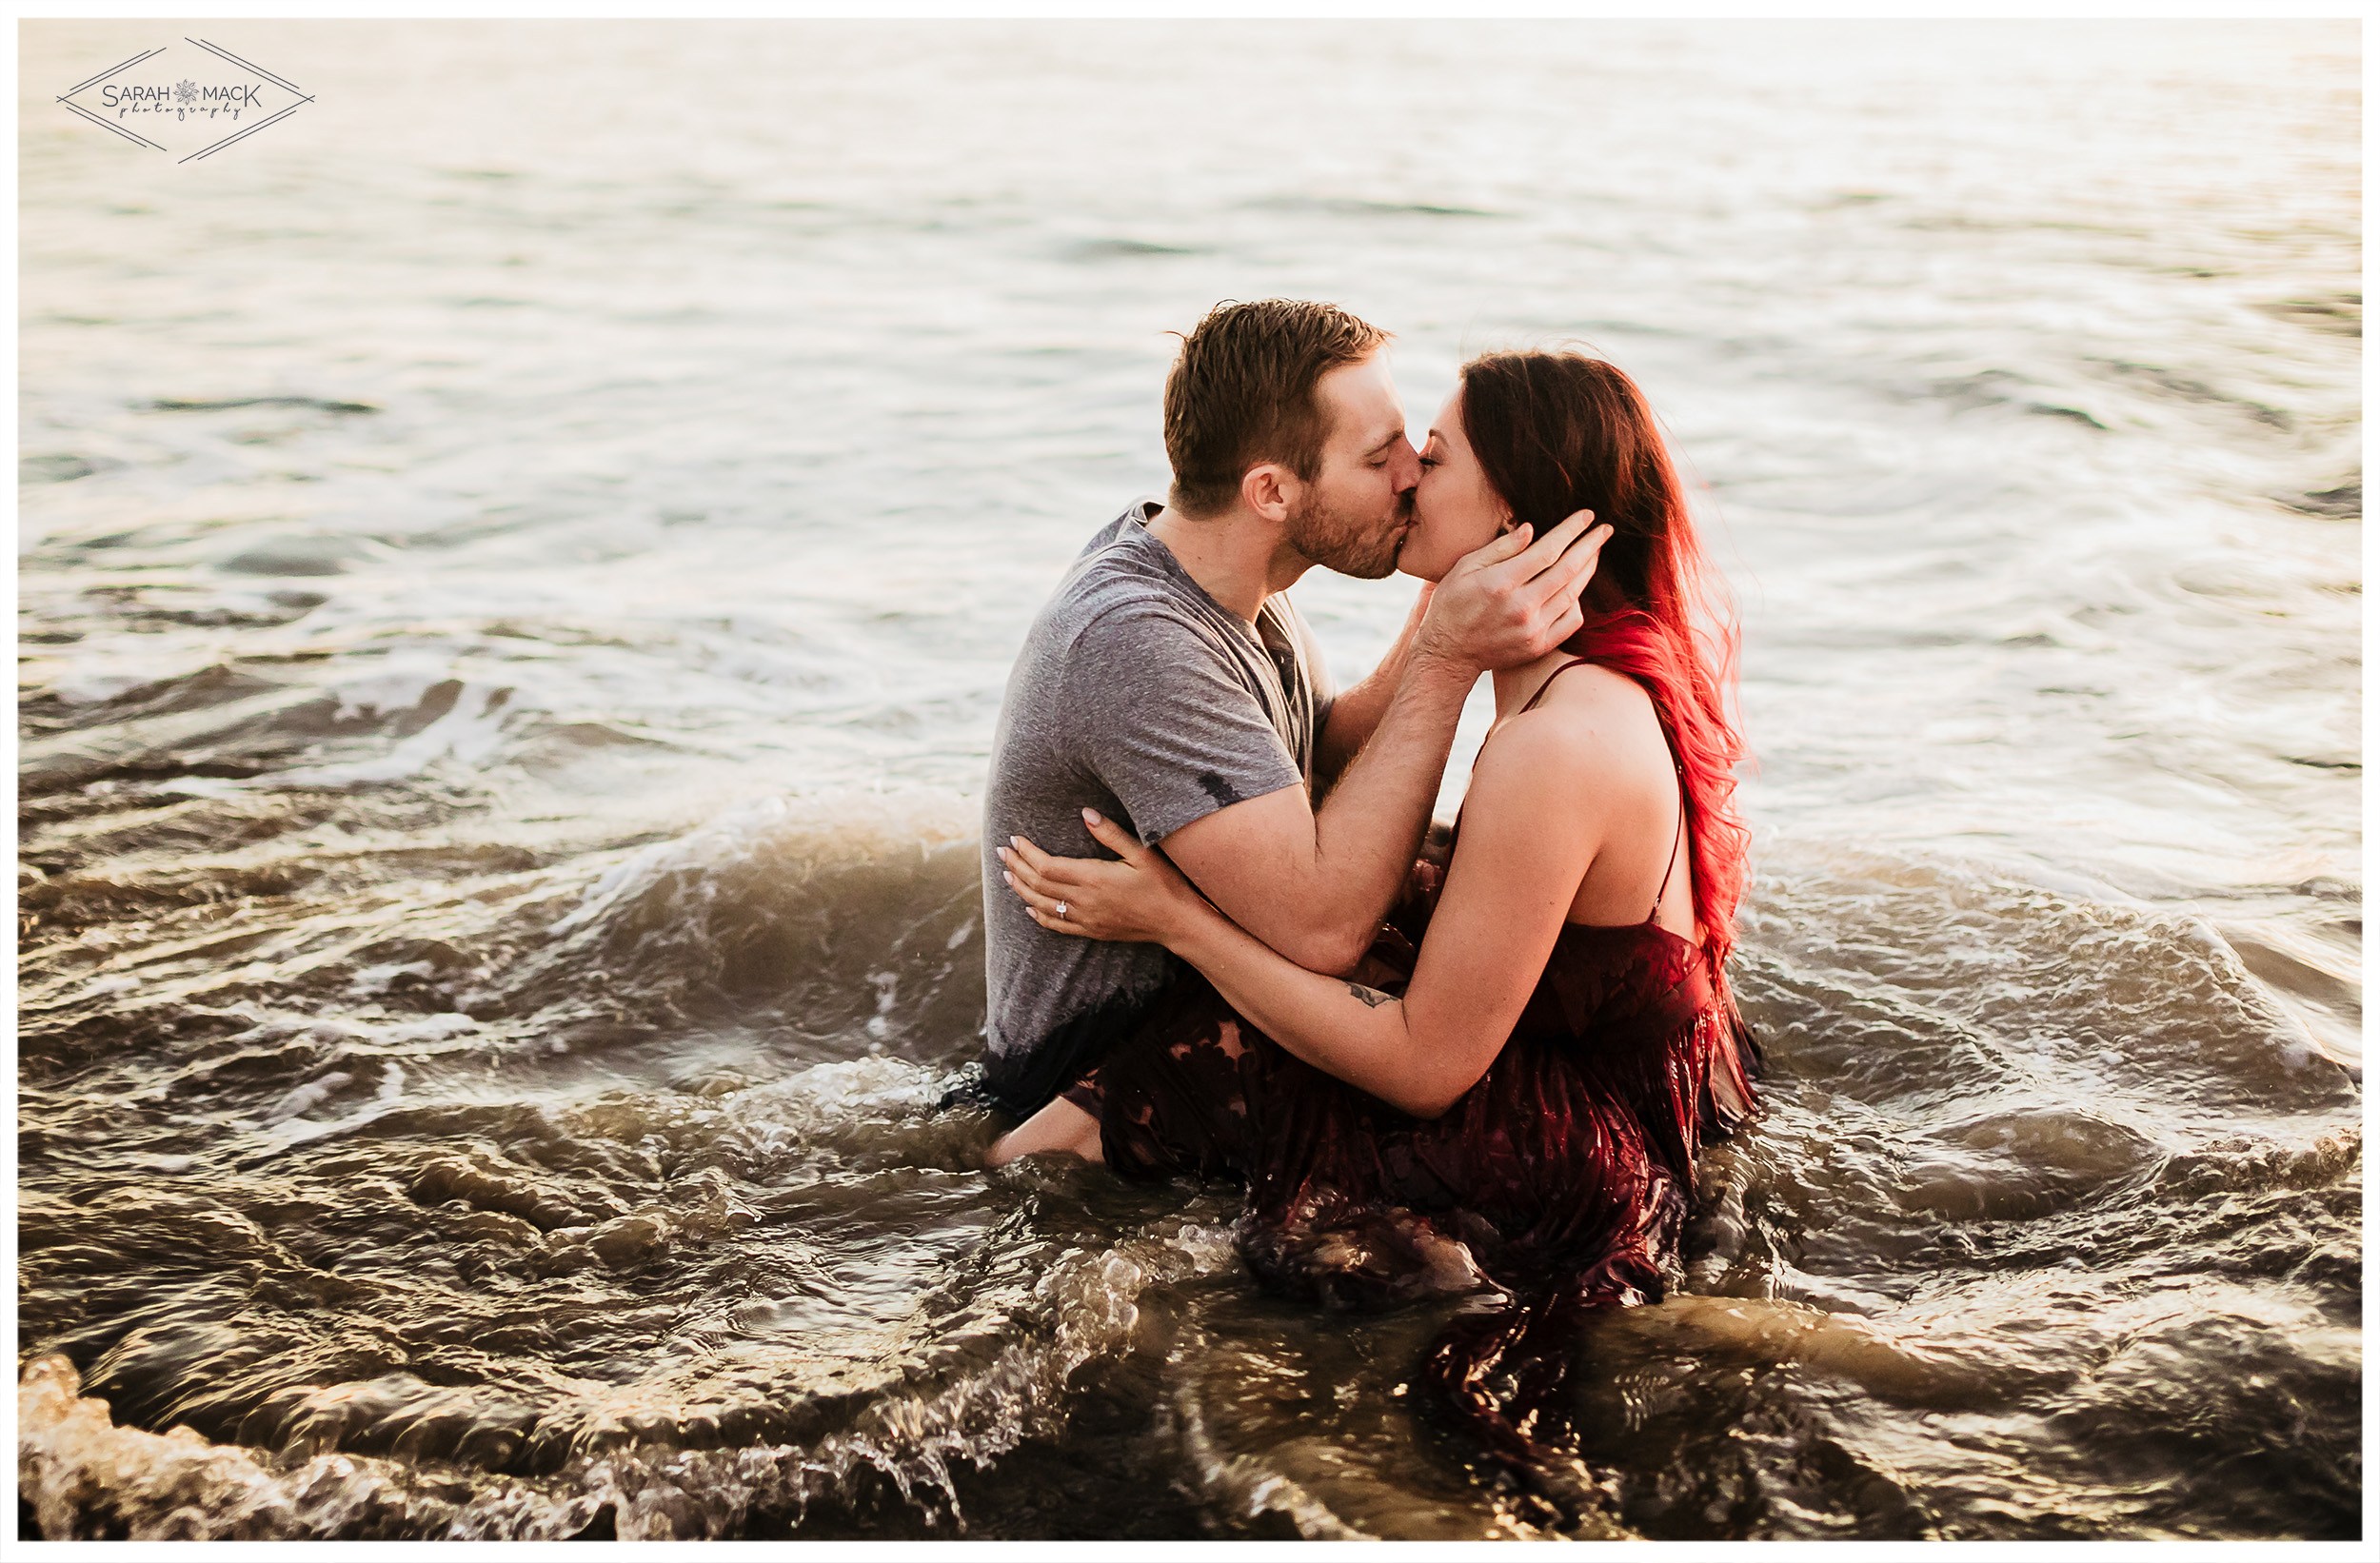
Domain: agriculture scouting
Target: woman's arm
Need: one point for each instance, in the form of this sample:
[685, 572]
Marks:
[1526, 845]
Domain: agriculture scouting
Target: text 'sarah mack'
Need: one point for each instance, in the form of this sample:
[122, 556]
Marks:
[184, 96]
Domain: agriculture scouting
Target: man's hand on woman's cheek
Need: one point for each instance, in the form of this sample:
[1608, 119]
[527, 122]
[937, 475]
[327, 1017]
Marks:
[1511, 600]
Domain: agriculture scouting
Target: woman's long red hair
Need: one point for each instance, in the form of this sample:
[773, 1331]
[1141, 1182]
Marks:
[1558, 432]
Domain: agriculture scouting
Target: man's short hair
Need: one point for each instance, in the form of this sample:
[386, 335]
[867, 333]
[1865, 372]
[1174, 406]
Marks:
[1242, 393]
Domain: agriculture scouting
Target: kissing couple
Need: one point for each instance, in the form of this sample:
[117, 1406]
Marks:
[1221, 940]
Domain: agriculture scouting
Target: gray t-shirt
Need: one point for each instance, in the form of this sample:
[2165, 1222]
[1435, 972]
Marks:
[1140, 696]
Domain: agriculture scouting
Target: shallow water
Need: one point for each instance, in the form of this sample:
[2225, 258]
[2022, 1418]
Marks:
[518, 565]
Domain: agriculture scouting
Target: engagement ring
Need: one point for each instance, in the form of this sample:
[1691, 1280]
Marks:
[1061, 909]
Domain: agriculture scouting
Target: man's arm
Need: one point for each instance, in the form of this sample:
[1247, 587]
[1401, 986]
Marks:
[1313, 884]
[1357, 713]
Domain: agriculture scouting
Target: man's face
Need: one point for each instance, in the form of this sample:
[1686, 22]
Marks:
[1355, 514]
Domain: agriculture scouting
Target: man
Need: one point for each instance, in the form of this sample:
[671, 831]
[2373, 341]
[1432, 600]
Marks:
[1169, 685]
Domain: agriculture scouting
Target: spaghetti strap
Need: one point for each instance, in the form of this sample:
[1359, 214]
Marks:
[1671, 869]
[1580, 661]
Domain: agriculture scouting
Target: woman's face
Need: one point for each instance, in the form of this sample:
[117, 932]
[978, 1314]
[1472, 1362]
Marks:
[1454, 510]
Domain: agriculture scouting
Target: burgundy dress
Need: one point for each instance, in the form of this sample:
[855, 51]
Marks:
[1565, 1170]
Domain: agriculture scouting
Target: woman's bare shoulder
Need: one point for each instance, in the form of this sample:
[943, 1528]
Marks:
[1594, 683]
[1595, 727]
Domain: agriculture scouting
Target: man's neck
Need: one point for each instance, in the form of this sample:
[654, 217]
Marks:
[1237, 558]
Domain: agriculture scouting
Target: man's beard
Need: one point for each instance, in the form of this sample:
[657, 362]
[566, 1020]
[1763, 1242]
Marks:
[1350, 546]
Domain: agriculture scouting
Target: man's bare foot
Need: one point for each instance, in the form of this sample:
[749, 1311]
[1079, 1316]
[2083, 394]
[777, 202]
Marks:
[1060, 1126]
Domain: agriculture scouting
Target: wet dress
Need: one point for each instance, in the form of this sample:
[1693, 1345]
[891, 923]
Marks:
[1565, 1170]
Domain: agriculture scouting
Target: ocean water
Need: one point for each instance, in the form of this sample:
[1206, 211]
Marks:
[517, 565]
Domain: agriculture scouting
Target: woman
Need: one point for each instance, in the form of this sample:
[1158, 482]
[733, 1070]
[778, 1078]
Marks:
[1525, 1096]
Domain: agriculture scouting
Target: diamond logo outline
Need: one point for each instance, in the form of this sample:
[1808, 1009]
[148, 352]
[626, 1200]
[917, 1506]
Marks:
[186, 95]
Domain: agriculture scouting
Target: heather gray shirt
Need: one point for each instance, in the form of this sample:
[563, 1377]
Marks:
[1138, 695]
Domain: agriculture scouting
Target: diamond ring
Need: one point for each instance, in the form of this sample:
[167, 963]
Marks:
[1061, 909]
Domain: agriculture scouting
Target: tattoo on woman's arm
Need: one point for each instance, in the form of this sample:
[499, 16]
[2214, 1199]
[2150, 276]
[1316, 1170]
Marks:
[1373, 998]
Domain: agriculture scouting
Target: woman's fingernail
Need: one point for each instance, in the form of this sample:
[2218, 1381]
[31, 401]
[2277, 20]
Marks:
[1092, 815]
[1007, 879]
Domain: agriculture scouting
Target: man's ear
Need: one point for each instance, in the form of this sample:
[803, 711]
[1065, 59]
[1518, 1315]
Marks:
[1269, 490]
